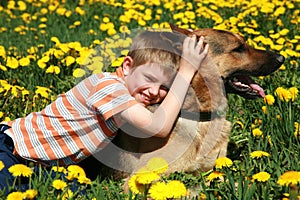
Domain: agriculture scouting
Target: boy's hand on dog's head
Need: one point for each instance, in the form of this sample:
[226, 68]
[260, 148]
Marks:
[193, 53]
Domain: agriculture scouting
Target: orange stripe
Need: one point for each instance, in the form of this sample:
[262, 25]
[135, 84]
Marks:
[108, 98]
[72, 133]
[83, 123]
[66, 126]
[104, 127]
[41, 138]
[118, 109]
[27, 141]
[78, 96]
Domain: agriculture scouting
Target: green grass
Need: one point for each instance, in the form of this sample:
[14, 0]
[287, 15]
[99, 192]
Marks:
[277, 134]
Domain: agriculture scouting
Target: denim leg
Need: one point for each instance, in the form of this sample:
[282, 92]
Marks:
[8, 159]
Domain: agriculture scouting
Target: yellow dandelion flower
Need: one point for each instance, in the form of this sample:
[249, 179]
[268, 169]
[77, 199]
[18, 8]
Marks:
[58, 53]
[77, 23]
[157, 165]
[135, 186]
[20, 170]
[118, 62]
[278, 117]
[15, 196]
[42, 26]
[261, 176]
[6, 119]
[78, 72]
[61, 11]
[158, 191]
[41, 64]
[75, 45]
[223, 162]
[259, 154]
[3, 68]
[1, 165]
[21, 5]
[111, 31]
[269, 99]
[64, 47]
[282, 67]
[55, 40]
[279, 11]
[30, 194]
[24, 61]
[264, 109]
[2, 51]
[74, 171]
[68, 195]
[12, 62]
[59, 169]
[53, 69]
[214, 175]
[176, 189]
[80, 11]
[284, 31]
[297, 129]
[106, 19]
[84, 180]
[289, 177]
[294, 93]
[283, 94]
[240, 124]
[146, 176]
[43, 91]
[257, 132]
[59, 184]
[202, 196]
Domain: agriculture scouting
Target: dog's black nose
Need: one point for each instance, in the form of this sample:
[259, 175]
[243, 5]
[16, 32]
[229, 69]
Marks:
[280, 58]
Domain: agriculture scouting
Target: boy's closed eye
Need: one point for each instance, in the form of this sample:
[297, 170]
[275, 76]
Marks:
[150, 78]
[165, 88]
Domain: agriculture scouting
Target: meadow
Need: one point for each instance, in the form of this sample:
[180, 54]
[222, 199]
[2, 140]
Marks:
[45, 43]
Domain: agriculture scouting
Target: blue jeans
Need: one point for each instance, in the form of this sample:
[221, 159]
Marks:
[7, 157]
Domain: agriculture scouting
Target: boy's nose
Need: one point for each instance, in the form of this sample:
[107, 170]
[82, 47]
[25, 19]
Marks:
[154, 90]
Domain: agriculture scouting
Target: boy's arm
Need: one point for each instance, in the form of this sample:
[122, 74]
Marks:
[160, 122]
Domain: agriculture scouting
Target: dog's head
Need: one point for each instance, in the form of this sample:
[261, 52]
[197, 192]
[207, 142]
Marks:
[229, 65]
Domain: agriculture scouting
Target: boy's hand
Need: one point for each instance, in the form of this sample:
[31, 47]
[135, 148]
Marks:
[193, 53]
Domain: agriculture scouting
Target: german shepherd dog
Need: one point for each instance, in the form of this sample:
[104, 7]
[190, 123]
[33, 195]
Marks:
[201, 133]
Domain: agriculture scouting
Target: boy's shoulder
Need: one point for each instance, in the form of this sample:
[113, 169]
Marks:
[105, 76]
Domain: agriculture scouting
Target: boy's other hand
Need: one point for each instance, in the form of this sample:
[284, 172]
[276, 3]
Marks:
[193, 54]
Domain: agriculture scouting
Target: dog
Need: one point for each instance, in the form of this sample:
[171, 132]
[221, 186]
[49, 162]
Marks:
[201, 133]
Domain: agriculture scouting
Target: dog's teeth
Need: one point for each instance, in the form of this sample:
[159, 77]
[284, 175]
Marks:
[240, 84]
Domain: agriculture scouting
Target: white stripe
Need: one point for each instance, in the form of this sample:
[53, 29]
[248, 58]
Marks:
[61, 131]
[116, 102]
[48, 136]
[23, 151]
[89, 119]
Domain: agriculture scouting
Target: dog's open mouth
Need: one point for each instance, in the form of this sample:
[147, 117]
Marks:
[244, 86]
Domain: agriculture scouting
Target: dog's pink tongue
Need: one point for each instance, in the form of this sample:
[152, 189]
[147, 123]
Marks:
[260, 91]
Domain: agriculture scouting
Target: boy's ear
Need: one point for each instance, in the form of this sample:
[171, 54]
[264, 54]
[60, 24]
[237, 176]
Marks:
[126, 65]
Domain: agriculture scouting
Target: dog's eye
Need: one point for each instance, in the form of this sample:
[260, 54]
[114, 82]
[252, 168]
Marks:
[241, 48]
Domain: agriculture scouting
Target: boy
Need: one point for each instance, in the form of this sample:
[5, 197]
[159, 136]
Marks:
[84, 119]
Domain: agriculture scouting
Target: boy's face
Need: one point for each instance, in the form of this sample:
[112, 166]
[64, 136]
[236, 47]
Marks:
[147, 83]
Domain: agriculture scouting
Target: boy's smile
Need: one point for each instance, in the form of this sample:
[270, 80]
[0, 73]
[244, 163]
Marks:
[147, 83]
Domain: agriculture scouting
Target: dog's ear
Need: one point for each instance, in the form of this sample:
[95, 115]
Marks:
[175, 40]
[180, 30]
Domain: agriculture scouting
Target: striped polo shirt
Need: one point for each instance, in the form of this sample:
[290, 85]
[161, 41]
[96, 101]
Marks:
[76, 125]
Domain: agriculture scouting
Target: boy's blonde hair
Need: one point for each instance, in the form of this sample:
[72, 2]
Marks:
[155, 47]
